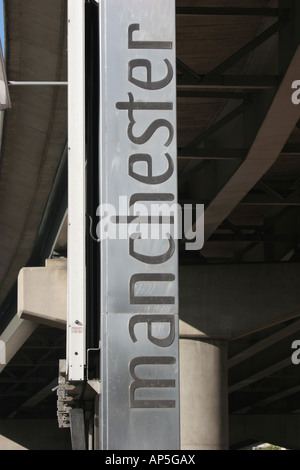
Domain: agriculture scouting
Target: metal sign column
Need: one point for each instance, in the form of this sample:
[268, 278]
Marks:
[139, 273]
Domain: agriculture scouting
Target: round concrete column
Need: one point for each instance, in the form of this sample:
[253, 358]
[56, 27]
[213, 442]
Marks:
[203, 394]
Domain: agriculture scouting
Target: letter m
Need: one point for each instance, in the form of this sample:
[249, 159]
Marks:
[150, 383]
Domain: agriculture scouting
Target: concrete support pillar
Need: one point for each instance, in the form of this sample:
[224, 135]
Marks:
[203, 394]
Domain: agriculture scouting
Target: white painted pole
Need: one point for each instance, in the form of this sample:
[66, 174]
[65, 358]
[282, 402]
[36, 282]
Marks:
[76, 347]
[33, 83]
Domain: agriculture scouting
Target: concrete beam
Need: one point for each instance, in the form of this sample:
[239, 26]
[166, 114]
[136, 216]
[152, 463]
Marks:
[229, 301]
[261, 374]
[37, 398]
[221, 301]
[231, 11]
[265, 343]
[13, 337]
[277, 126]
[270, 399]
[42, 293]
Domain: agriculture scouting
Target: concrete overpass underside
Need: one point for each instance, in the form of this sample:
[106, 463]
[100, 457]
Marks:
[238, 154]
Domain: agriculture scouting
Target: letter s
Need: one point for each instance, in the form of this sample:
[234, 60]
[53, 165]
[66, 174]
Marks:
[295, 95]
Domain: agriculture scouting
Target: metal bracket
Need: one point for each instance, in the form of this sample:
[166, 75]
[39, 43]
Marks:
[93, 364]
[64, 397]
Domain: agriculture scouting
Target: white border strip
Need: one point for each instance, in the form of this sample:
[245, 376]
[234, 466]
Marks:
[76, 192]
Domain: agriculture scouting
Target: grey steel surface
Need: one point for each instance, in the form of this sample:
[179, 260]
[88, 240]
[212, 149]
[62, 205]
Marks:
[139, 277]
[140, 408]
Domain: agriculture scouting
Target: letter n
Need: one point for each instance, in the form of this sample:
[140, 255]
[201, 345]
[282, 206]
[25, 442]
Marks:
[147, 299]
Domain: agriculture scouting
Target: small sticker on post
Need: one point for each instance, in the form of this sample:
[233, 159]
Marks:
[76, 329]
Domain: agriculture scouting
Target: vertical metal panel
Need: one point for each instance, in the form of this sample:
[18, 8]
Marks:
[139, 285]
[76, 192]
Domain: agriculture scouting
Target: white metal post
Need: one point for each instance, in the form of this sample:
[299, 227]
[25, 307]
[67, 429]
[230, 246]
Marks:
[76, 348]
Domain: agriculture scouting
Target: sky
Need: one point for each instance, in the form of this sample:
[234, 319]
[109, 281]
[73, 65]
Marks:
[1, 24]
